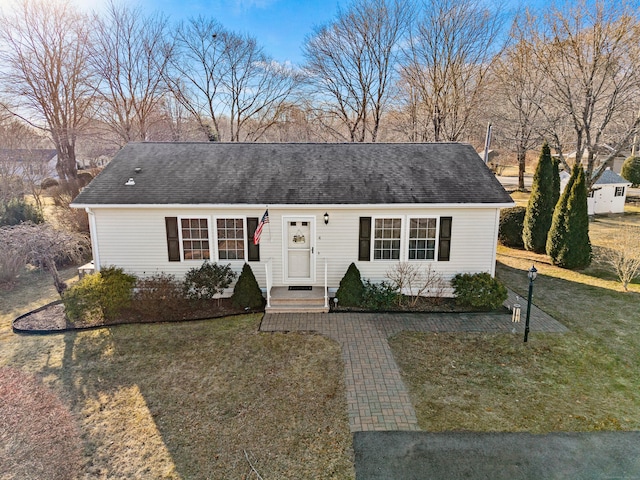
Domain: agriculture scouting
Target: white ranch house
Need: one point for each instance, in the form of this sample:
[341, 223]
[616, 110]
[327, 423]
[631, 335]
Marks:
[164, 207]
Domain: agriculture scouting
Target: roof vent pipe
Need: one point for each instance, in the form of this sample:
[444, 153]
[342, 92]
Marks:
[130, 182]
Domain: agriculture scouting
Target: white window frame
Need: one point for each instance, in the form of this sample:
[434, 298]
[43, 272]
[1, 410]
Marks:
[615, 192]
[244, 237]
[402, 253]
[195, 217]
[408, 238]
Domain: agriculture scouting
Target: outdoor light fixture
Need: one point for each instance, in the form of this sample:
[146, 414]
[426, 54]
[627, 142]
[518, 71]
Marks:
[326, 218]
[532, 274]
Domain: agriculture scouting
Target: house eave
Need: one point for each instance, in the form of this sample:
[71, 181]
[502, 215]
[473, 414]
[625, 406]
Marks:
[236, 206]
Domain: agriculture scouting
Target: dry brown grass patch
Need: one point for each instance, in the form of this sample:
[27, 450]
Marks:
[38, 435]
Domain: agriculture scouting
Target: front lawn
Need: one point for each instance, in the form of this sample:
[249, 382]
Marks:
[207, 399]
[588, 379]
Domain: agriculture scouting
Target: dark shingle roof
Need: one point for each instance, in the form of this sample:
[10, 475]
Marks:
[610, 177]
[294, 173]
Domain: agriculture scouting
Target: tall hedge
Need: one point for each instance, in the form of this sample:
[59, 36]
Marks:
[511, 224]
[631, 170]
[539, 213]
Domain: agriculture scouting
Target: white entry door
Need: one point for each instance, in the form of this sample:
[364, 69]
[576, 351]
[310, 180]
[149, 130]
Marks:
[299, 249]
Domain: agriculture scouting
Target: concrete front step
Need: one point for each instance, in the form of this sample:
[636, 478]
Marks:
[284, 300]
[296, 309]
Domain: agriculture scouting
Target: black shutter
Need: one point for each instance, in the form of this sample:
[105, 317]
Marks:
[173, 241]
[444, 243]
[364, 246]
[253, 250]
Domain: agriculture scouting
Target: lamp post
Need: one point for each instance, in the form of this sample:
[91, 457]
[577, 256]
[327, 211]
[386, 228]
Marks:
[533, 273]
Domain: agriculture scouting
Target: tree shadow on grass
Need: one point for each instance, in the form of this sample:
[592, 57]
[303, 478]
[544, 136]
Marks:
[188, 400]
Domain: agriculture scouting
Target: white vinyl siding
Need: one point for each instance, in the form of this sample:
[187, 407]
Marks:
[135, 239]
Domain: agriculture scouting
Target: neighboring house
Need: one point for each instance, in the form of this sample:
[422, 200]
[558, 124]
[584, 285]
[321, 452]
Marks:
[607, 195]
[164, 207]
[33, 162]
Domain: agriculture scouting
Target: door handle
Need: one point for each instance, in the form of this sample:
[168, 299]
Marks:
[311, 249]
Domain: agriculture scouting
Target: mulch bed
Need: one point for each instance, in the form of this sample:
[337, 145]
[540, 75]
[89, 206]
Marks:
[51, 318]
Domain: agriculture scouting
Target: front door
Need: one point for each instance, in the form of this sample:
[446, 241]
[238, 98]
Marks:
[299, 249]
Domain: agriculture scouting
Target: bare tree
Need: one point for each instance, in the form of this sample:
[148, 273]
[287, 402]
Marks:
[448, 57]
[45, 71]
[520, 91]
[44, 246]
[196, 71]
[130, 53]
[258, 89]
[624, 254]
[589, 52]
[351, 61]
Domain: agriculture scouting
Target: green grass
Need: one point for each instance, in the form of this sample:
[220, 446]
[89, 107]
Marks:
[188, 400]
[588, 379]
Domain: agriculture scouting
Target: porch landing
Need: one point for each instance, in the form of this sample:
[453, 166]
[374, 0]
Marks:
[284, 300]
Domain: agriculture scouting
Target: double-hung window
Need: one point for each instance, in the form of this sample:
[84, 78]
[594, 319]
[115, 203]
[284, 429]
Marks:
[619, 192]
[422, 239]
[231, 238]
[195, 238]
[387, 233]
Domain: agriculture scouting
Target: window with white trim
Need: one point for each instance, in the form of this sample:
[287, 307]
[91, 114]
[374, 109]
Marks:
[422, 238]
[386, 238]
[231, 238]
[195, 238]
[619, 192]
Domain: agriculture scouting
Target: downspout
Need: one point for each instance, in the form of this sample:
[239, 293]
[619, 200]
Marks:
[495, 243]
[93, 233]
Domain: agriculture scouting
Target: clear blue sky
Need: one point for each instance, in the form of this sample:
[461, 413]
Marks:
[280, 26]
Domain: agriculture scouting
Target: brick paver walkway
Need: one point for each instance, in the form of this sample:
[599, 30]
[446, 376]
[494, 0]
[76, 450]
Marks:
[377, 398]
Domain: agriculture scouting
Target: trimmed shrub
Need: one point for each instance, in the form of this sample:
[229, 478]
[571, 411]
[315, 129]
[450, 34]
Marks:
[379, 296]
[246, 292]
[351, 288]
[207, 281]
[631, 170]
[159, 296]
[105, 293]
[542, 201]
[511, 225]
[18, 211]
[479, 290]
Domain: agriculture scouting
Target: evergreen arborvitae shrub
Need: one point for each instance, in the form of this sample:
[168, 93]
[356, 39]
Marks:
[556, 241]
[351, 289]
[247, 293]
[537, 220]
[511, 224]
[479, 290]
[576, 252]
[631, 170]
[555, 188]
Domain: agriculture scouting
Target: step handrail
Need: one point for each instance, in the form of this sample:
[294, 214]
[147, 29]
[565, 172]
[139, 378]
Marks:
[268, 267]
[326, 284]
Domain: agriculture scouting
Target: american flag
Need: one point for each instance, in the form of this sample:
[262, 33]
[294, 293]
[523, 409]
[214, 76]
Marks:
[258, 232]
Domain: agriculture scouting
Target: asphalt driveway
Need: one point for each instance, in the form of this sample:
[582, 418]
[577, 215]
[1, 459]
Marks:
[496, 456]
